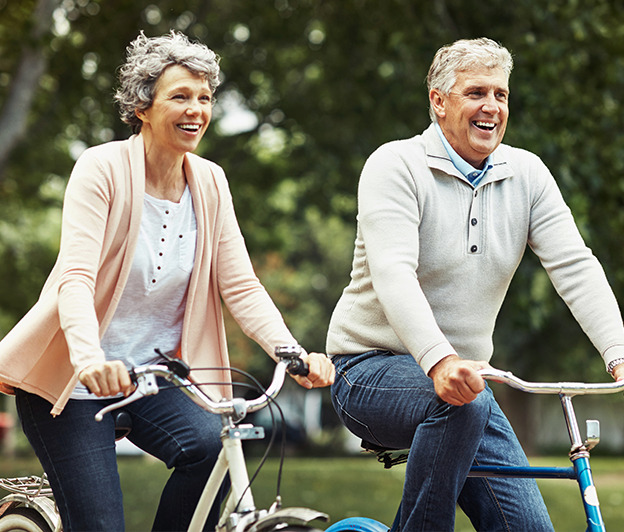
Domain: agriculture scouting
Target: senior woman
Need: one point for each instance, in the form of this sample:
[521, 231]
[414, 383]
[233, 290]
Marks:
[149, 247]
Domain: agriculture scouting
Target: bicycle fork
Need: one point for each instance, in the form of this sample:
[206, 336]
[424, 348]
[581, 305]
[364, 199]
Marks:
[579, 455]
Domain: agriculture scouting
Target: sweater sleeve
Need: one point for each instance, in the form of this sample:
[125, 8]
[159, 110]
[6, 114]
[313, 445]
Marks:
[85, 213]
[243, 294]
[389, 217]
[574, 271]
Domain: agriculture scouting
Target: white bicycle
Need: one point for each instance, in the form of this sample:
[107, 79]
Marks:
[32, 509]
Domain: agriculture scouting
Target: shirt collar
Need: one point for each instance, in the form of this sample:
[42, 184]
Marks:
[471, 173]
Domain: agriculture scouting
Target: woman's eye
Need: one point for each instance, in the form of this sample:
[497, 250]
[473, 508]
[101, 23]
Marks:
[178, 97]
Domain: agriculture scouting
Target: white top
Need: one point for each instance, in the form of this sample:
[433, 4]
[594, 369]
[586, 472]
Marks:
[151, 310]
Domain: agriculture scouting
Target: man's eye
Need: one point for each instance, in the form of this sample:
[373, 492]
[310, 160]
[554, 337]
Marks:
[475, 94]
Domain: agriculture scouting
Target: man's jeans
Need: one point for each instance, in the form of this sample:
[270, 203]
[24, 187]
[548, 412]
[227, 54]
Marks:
[78, 454]
[389, 401]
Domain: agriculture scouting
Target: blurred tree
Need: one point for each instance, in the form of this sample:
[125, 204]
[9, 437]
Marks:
[310, 89]
[28, 71]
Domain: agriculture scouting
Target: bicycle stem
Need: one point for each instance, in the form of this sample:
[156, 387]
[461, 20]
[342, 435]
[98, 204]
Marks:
[574, 432]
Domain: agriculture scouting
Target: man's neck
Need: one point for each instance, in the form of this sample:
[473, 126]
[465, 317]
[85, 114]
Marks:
[474, 175]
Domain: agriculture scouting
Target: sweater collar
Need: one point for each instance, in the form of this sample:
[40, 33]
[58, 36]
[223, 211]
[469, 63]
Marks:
[474, 175]
[438, 158]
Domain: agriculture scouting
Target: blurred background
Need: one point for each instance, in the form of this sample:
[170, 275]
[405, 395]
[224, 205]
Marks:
[310, 89]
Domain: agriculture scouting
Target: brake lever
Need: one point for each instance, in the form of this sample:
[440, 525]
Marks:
[292, 354]
[145, 385]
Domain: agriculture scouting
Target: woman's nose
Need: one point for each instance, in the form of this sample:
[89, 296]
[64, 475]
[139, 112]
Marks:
[193, 107]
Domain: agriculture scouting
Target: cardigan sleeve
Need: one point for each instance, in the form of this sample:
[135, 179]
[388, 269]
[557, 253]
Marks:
[243, 294]
[85, 214]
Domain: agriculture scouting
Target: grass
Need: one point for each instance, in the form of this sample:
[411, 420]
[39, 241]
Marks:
[344, 487]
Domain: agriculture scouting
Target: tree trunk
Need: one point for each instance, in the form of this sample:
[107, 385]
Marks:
[31, 66]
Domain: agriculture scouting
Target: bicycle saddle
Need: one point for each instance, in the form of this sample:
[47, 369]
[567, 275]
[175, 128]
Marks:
[123, 424]
[387, 456]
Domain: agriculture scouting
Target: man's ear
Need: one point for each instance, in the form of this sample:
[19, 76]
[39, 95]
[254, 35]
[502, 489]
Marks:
[437, 100]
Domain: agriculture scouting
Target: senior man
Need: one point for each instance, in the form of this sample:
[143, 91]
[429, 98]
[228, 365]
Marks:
[444, 219]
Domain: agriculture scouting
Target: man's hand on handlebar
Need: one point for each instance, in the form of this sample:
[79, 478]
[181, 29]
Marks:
[107, 379]
[618, 372]
[457, 381]
[321, 371]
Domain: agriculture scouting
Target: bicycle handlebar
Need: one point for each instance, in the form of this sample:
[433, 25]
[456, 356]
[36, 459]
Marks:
[145, 378]
[568, 388]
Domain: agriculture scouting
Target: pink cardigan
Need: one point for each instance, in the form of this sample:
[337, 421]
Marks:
[60, 335]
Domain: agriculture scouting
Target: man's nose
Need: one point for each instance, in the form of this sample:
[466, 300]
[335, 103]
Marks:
[490, 105]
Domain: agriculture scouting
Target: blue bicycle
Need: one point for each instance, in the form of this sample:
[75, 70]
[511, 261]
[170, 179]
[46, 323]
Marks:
[580, 470]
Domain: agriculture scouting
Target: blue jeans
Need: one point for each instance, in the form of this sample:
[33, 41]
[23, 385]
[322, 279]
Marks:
[78, 454]
[388, 400]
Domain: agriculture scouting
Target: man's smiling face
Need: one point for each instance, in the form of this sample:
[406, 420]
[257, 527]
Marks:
[473, 116]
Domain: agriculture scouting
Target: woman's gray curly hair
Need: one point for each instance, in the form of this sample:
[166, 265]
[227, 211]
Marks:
[462, 55]
[147, 58]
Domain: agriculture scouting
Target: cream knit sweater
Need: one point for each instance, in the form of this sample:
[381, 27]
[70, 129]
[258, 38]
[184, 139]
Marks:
[434, 256]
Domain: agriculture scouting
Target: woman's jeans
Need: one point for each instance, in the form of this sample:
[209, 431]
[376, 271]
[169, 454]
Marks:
[389, 401]
[78, 455]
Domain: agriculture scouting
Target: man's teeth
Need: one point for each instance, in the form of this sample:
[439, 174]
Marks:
[484, 125]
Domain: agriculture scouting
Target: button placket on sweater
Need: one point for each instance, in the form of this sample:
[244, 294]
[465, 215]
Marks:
[474, 224]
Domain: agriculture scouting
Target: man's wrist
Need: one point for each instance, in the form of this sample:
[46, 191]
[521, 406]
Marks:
[441, 363]
[614, 364]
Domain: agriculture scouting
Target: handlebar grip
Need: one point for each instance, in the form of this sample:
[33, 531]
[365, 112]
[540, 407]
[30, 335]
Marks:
[298, 366]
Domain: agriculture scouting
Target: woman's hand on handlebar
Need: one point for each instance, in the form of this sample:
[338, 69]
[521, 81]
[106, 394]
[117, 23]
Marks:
[107, 379]
[321, 371]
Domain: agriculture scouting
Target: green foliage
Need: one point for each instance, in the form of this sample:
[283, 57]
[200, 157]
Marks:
[318, 86]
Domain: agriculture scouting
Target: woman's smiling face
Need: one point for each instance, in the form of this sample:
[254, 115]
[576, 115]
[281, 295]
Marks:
[473, 116]
[180, 112]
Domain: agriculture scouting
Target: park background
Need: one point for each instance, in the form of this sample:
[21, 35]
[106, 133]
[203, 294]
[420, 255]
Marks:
[310, 88]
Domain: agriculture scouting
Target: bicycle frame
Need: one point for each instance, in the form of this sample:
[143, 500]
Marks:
[239, 509]
[580, 470]
[579, 449]
[239, 512]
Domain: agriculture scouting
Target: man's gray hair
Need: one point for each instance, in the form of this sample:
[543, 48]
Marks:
[465, 54]
[147, 58]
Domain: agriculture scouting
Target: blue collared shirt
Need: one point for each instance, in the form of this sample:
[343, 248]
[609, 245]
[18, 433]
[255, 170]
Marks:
[471, 173]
